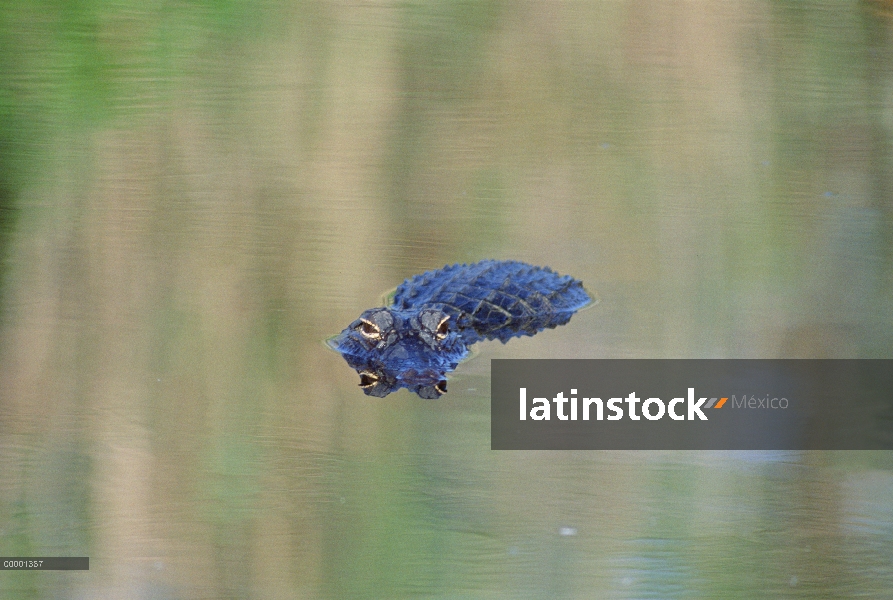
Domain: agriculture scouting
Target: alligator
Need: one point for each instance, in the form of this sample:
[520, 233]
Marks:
[435, 317]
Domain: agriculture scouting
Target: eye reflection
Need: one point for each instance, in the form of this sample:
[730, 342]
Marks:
[368, 379]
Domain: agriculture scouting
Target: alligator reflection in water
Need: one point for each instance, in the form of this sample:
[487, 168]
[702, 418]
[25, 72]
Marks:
[437, 315]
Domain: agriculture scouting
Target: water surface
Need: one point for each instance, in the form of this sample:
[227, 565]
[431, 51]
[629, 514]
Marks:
[192, 198]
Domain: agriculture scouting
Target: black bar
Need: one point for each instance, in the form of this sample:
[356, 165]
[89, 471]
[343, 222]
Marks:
[45, 563]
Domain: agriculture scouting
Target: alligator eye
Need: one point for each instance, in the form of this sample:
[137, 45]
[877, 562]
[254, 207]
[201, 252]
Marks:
[440, 387]
[368, 379]
[369, 330]
[442, 329]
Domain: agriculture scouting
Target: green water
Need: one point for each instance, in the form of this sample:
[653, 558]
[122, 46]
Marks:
[194, 196]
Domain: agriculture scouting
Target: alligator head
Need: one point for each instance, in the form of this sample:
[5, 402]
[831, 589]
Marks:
[393, 349]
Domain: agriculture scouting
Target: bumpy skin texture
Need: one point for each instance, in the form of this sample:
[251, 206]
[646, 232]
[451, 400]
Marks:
[437, 315]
